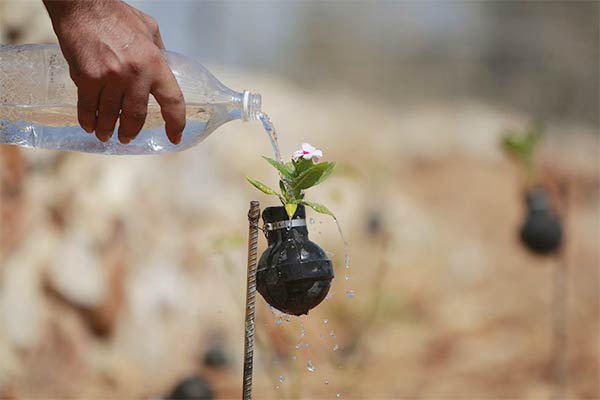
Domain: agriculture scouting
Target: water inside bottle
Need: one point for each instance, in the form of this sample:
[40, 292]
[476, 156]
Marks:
[59, 116]
[57, 128]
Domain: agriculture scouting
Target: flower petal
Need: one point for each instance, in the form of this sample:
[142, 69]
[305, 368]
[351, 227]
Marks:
[308, 147]
[297, 154]
[316, 155]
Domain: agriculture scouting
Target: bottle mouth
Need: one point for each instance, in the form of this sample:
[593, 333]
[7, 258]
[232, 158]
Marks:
[251, 103]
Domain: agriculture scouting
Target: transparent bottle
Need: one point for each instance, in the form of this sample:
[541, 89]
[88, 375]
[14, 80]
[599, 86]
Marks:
[38, 105]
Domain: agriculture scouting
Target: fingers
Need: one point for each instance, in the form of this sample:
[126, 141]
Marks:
[172, 105]
[87, 104]
[133, 112]
[109, 108]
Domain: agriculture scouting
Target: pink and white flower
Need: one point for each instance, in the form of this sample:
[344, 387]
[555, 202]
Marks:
[308, 152]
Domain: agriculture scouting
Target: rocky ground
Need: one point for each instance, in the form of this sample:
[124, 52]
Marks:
[118, 275]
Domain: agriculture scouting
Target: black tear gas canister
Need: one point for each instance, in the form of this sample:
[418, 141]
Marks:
[294, 274]
[542, 230]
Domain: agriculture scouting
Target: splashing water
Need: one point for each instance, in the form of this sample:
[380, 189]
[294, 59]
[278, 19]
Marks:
[349, 292]
[346, 245]
[302, 335]
[281, 378]
[271, 133]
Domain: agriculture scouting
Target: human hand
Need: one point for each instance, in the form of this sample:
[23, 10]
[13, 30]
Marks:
[115, 59]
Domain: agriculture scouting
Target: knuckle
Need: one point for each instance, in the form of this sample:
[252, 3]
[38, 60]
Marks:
[111, 112]
[138, 115]
[155, 56]
[153, 24]
[135, 66]
[91, 76]
[113, 68]
[174, 100]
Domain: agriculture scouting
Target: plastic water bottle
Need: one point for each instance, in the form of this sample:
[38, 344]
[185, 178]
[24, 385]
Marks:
[38, 105]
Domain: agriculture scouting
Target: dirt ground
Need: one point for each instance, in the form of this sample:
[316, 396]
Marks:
[118, 274]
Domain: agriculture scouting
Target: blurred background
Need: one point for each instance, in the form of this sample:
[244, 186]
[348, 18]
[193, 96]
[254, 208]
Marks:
[120, 277]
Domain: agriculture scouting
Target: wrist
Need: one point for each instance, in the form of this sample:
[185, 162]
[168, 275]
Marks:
[60, 10]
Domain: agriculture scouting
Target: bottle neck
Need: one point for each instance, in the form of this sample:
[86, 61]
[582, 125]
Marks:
[251, 106]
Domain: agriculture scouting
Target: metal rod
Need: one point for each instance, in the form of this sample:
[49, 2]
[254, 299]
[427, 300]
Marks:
[253, 216]
[560, 302]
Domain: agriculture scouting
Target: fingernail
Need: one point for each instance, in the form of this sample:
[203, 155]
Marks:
[177, 139]
[125, 140]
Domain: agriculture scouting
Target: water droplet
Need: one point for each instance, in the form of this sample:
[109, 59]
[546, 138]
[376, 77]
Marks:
[327, 382]
[277, 387]
[335, 347]
[346, 277]
[310, 366]
[299, 344]
[312, 220]
[281, 378]
[294, 358]
[278, 321]
[329, 253]
[332, 334]
[350, 294]
[325, 321]
[338, 395]
[347, 261]
[306, 345]
[328, 296]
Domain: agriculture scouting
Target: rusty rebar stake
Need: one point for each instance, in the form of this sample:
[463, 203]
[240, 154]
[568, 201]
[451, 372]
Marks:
[253, 216]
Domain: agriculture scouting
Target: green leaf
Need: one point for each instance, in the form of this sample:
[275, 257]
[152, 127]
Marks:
[288, 197]
[302, 165]
[311, 176]
[326, 173]
[281, 167]
[282, 188]
[291, 208]
[320, 208]
[262, 187]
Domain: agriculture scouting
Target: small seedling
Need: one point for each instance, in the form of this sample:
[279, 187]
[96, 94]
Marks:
[521, 146]
[302, 172]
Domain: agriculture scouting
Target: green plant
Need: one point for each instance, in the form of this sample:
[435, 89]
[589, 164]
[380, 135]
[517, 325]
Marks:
[522, 144]
[302, 172]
